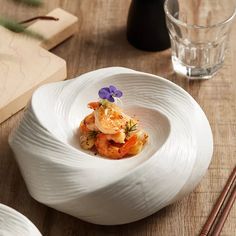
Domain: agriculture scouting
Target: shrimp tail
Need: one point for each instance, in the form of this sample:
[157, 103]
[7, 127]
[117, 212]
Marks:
[94, 105]
[128, 145]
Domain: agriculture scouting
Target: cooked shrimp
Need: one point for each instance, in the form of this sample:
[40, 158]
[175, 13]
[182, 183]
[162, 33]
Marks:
[138, 146]
[113, 133]
[118, 137]
[87, 141]
[110, 119]
[88, 124]
[106, 148]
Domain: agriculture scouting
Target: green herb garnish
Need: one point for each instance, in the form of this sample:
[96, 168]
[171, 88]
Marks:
[130, 127]
[92, 134]
[30, 2]
[18, 28]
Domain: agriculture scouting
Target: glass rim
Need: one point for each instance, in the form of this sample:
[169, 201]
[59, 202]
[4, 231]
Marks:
[182, 23]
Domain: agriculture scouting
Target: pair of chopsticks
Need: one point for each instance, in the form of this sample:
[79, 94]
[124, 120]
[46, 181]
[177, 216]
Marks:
[221, 209]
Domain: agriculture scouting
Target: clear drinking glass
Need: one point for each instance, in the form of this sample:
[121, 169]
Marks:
[199, 31]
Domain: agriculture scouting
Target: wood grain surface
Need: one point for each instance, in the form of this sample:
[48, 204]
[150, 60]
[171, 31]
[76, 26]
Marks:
[101, 42]
[25, 63]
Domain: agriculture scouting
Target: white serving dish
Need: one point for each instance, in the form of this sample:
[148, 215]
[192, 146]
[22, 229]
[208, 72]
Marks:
[13, 223]
[61, 175]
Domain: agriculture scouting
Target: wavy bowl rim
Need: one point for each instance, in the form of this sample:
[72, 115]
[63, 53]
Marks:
[137, 73]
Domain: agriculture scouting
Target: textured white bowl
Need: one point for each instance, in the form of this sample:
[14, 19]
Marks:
[12, 223]
[61, 175]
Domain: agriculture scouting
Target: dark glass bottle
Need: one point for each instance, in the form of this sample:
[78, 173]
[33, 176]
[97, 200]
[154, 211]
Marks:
[146, 26]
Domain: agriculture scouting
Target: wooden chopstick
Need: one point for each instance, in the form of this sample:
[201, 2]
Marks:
[223, 198]
[225, 213]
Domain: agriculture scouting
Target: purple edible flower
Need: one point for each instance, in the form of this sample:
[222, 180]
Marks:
[109, 93]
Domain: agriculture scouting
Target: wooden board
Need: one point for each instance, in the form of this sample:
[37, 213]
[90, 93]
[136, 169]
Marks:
[101, 42]
[25, 63]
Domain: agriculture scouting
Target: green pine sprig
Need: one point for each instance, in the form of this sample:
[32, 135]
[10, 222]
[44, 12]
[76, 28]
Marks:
[34, 3]
[18, 28]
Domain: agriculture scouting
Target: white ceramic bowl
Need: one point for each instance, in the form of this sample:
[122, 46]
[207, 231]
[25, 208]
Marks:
[13, 223]
[61, 175]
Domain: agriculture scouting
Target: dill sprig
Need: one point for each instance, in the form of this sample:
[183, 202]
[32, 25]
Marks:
[92, 134]
[130, 127]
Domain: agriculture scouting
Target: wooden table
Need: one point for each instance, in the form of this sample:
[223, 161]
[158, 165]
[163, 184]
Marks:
[101, 42]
